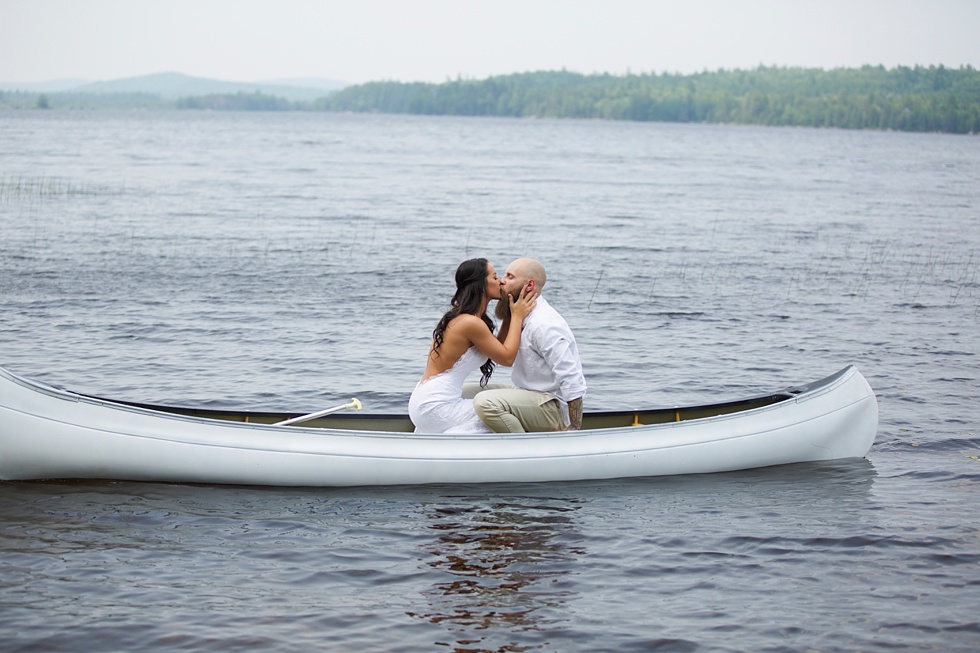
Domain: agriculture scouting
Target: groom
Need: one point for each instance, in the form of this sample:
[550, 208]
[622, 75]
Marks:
[547, 375]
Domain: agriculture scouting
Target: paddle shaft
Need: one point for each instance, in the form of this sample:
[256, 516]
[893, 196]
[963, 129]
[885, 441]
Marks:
[354, 403]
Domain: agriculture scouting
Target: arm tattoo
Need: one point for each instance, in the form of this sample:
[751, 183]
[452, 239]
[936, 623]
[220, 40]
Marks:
[575, 414]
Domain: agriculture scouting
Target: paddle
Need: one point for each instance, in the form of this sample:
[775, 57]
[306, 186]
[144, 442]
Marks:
[354, 403]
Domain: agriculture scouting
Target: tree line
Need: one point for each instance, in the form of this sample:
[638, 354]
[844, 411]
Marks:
[94, 101]
[919, 98]
[73, 100]
[236, 102]
[908, 99]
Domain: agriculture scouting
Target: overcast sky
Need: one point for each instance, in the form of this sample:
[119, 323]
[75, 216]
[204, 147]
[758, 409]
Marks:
[434, 40]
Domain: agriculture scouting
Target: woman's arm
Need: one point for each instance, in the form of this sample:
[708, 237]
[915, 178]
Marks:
[502, 351]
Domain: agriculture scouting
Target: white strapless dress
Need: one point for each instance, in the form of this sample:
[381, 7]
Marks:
[437, 405]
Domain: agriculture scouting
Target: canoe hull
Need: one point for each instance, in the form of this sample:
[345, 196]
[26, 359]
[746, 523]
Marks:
[47, 433]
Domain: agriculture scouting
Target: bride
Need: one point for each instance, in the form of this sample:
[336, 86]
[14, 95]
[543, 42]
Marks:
[463, 341]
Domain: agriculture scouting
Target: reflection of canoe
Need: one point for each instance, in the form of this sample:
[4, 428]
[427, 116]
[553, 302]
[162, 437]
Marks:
[51, 433]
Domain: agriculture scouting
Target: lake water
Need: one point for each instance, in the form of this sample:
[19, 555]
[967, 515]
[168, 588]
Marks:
[292, 261]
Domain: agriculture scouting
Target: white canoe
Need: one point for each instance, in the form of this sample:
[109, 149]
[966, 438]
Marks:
[50, 433]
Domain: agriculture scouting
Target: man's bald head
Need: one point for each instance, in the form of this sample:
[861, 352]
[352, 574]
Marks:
[527, 269]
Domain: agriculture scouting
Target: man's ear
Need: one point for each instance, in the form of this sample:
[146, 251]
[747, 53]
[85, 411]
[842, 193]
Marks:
[529, 287]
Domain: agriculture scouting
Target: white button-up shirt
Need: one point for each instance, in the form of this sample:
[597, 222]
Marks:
[548, 359]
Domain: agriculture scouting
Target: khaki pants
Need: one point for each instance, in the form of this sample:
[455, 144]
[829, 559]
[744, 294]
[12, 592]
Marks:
[511, 410]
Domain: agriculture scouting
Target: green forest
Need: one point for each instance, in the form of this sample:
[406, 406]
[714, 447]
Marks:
[235, 102]
[908, 99]
[922, 99]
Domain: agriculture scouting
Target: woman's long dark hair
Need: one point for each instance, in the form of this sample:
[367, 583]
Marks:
[471, 290]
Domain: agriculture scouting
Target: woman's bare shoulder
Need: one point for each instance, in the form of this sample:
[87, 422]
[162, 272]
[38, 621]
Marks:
[465, 322]
[465, 330]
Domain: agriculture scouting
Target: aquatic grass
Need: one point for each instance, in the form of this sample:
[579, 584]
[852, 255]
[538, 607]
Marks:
[598, 281]
[37, 189]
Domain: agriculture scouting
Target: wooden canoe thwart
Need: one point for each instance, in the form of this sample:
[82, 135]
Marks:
[51, 433]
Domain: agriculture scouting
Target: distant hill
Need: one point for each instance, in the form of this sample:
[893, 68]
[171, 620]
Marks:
[171, 86]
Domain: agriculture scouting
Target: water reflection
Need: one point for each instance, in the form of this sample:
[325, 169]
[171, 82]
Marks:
[504, 560]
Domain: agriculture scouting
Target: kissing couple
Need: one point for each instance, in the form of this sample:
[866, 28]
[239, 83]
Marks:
[534, 340]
